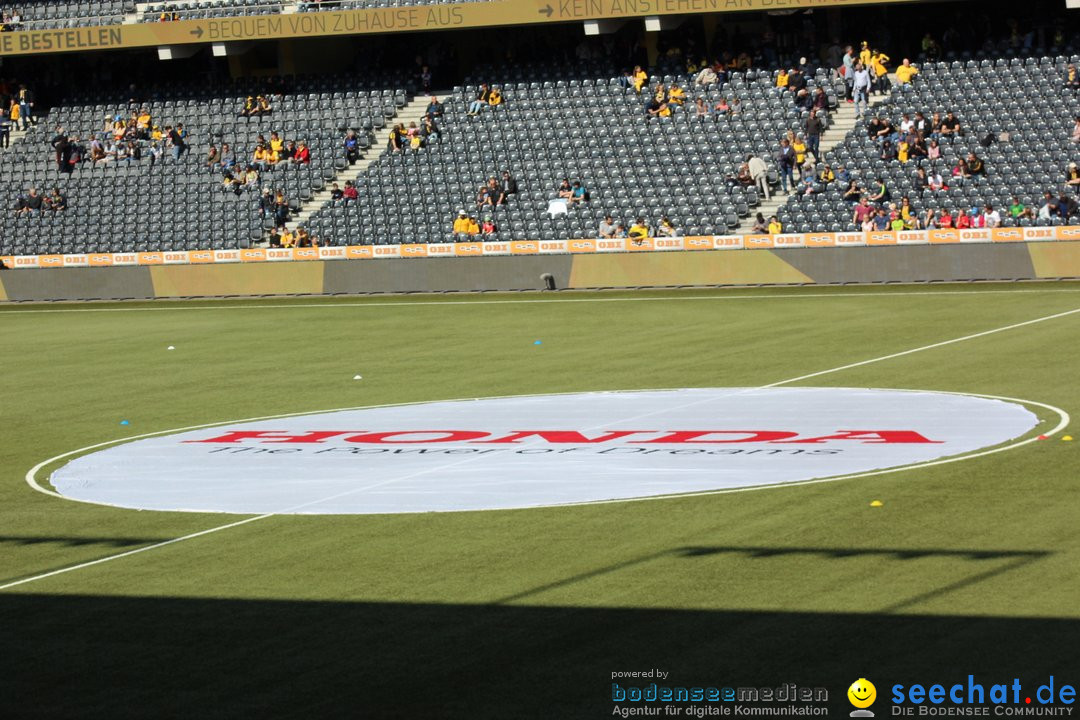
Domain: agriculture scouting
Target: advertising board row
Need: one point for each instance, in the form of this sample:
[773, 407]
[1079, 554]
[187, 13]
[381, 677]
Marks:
[549, 247]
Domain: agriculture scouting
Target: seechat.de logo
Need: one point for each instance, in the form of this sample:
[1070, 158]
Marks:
[862, 694]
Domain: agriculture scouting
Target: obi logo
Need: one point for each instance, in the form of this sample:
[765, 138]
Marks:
[862, 694]
[791, 240]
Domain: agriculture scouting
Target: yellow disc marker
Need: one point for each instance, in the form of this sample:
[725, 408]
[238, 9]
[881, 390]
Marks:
[877, 503]
[1067, 438]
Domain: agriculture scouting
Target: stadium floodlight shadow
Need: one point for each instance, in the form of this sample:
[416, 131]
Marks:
[1015, 559]
[69, 541]
[120, 657]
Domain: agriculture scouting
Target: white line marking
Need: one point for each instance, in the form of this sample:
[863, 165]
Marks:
[794, 295]
[31, 480]
[136, 551]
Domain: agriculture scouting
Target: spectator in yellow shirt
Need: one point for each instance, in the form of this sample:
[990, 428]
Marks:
[465, 225]
[275, 143]
[640, 78]
[903, 150]
[461, 224]
[906, 72]
[799, 146]
[261, 158]
[879, 62]
[865, 54]
[639, 231]
[495, 97]
[677, 95]
[782, 78]
[775, 226]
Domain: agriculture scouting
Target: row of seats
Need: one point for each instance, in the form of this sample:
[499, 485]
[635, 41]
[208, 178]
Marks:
[198, 9]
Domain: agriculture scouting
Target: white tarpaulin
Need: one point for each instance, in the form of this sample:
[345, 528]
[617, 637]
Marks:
[536, 451]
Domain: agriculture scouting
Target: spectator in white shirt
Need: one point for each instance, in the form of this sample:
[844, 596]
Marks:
[861, 90]
[991, 217]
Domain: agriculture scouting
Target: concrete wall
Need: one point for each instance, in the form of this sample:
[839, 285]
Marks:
[914, 263]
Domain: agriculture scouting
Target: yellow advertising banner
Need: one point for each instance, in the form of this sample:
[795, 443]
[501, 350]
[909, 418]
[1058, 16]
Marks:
[367, 21]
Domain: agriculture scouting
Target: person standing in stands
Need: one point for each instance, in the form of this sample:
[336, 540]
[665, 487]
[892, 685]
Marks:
[849, 72]
[62, 148]
[177, 137]
[13, 113]
[814, 128]
[785, 163]
[26, 107]
[5, 129]
[879, 64]
[759, 174]
[861, 90]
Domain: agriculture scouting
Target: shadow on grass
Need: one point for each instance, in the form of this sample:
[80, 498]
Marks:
[1014, 559]
[129, 657]
[116, 542]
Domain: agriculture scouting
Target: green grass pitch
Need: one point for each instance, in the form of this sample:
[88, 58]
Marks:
[971, 567]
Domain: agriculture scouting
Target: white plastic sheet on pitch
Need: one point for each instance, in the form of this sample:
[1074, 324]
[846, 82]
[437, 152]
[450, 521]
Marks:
[166, 473]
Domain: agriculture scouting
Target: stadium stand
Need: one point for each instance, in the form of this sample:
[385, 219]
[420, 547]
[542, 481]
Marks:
[1017, 117]
[133, 205]
[44, 15]
[317, 5]
[581, 123]
[198, 9]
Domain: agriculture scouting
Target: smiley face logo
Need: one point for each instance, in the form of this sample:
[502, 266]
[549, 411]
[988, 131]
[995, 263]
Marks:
[862, 693]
